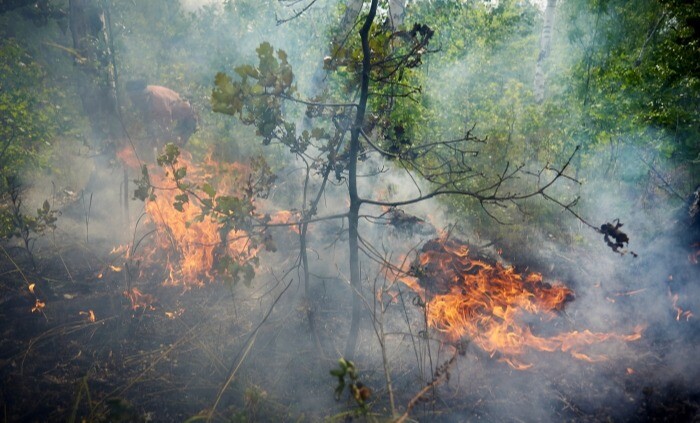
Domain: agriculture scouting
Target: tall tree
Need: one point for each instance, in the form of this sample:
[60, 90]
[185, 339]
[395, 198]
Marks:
[545, 43]
[374, 70]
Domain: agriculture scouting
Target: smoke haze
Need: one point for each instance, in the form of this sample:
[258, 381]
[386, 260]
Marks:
[263, 351]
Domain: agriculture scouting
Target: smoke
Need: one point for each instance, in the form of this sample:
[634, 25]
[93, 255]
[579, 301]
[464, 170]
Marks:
[304, 335]
[195, 5]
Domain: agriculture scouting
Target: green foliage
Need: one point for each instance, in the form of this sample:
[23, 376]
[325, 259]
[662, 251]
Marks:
[258, 102]
[27, 118]
[638, 74]
[16, 223]
[143, 190]
[360, 393]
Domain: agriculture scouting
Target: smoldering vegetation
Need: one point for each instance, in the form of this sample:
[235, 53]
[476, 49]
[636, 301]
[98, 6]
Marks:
[110, 324]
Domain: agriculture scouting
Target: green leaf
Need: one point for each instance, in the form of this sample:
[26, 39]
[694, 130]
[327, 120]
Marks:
[247, 71]
[337, 372]
[209, 190]
[180, 173]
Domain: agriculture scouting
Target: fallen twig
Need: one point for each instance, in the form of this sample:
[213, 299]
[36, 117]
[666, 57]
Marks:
[440, 376]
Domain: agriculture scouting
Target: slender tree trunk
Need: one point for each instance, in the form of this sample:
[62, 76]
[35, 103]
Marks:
[355, 201]
[97, 82]
[397, 12]
[352, 11]
[97, 86]
[545, 42]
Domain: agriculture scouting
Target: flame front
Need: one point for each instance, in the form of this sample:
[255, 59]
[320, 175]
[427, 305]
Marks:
[191, 244]
[487, 303]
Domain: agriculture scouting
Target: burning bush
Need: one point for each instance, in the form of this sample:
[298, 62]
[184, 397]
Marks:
[486, 302]
[206, 220]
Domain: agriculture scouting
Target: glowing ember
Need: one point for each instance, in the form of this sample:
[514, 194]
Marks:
[89, 315]
[466, 297]
[174, 314]
[139, 299]
[680, 313]
[694, 257]
[38, 306]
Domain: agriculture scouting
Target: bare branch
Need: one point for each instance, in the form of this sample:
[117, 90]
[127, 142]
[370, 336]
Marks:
[439, 377]
[487, 195]
[296, 15]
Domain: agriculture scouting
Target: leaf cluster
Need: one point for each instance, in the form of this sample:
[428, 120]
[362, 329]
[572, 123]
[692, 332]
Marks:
[26, 116]
[16, 223]
[359, 392]
[255, 98]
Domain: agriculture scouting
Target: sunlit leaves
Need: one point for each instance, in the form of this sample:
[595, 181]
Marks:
[227, 97]
[359, 392]
[255, 98]
[638, 72]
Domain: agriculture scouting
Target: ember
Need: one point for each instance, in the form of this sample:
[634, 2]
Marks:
[468, 297]
[139, 299]
[694, 257]
[680, 313]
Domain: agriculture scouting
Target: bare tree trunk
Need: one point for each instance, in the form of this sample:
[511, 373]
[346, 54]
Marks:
[97, 87]
[545, 42]
[397, 12]
[352, 11]
[97, 84]
[355, 201]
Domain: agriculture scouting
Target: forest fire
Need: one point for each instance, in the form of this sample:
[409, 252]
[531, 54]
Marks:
[192, 241]
[470, 298]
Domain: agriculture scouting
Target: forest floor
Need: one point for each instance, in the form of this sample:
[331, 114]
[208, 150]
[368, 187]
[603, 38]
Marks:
[87, 354]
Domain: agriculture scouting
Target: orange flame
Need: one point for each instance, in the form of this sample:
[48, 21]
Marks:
[680, 313]
[286, 217]
[486, 303]
[192, 243]
[139, 299]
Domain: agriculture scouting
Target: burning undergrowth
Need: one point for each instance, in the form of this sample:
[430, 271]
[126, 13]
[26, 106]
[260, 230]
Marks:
[493, 306]
[167, 352]
[207, 226]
